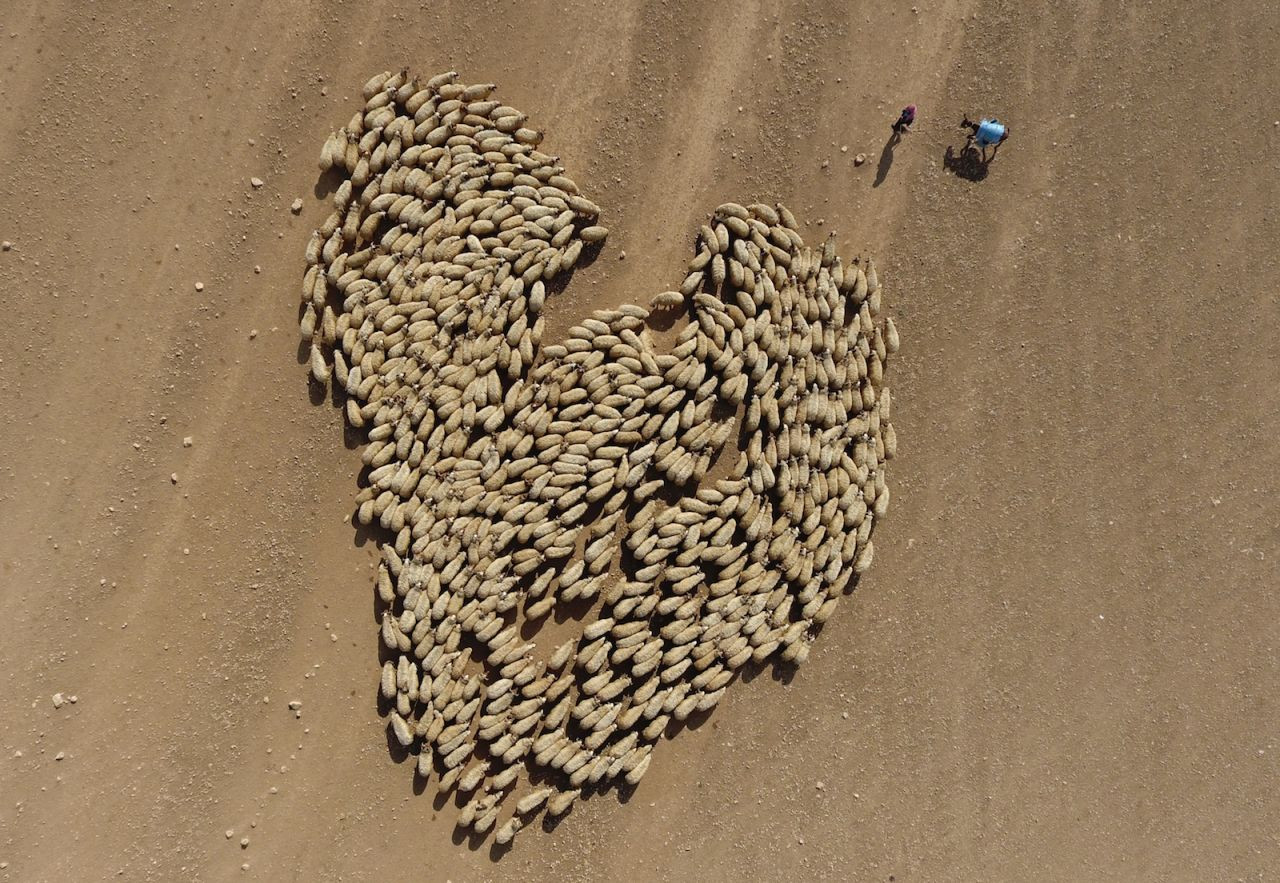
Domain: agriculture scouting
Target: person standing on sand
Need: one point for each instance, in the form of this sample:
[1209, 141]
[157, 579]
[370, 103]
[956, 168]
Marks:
[905, 119]
[901, 125]
[988, 133]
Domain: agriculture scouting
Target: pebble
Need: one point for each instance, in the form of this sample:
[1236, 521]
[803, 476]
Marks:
[173, 477]
[256, 182]
[296, 206]
[6, 245]
[859, 159]
[230, 833]
[60, 755]
[188, 441]
[58, 699]
[253, 334]
[295, 704]
[199, 286]
[257, 268]
[244, 842]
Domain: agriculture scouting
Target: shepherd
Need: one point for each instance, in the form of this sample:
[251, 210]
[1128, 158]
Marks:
[987, 133]
[905, 119]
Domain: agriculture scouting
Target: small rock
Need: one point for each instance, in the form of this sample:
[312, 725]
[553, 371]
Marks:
[253, 333]
[256, 182]
[230, 833]
[173, 477]
[244, 842]
[821, 787]
[6, 245]
[199, 286]
[58, 699]
[73, 699]
[188, 441]
[859, 159]
[296, 206]
[844, 148]
[826, 163]
[622, 255]
[295, 704]
[245, 866]
[59, 755]
[257, 268]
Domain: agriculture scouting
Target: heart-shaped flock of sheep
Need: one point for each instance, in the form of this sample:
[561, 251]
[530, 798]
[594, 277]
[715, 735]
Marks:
[701, 506]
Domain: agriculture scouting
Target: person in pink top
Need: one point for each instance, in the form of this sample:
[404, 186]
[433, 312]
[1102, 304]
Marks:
[905, 119]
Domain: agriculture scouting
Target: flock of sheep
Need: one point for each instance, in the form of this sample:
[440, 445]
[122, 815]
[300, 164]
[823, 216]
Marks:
[702, 504]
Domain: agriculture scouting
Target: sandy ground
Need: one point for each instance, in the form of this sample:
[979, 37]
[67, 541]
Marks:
[1064, 663]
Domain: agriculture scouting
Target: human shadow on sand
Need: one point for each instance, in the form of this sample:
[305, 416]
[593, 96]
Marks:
[886, 158]
[969, 163]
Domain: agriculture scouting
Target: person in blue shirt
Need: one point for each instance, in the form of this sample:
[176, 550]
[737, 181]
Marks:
[987, 133]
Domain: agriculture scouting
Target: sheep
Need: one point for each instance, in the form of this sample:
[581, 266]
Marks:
[492, 455]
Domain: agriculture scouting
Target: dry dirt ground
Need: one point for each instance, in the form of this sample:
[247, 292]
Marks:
[1064, 662]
